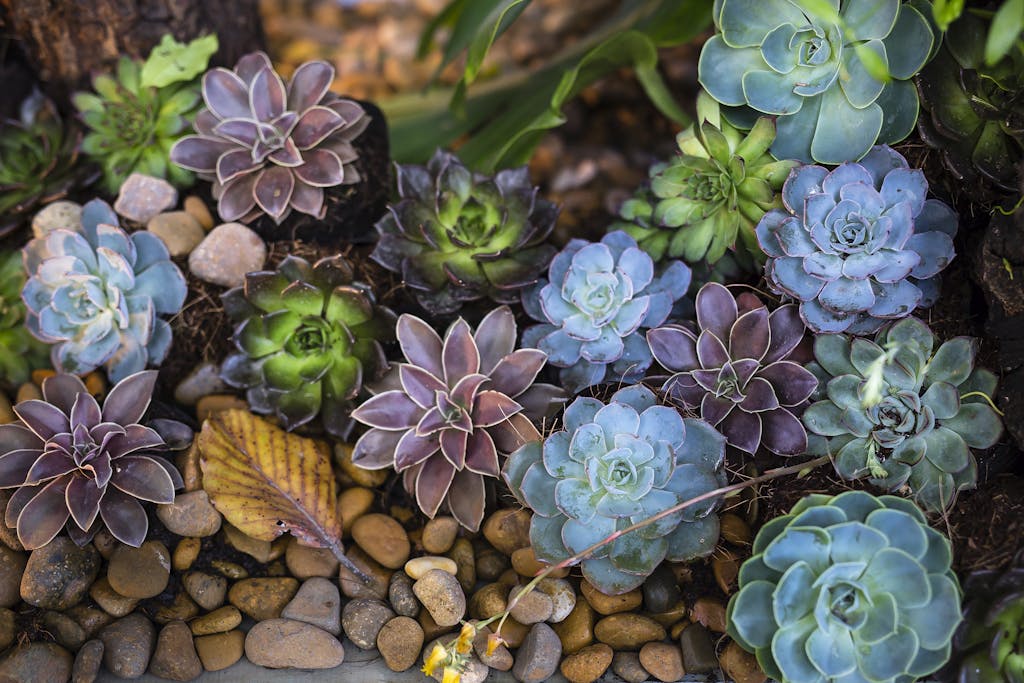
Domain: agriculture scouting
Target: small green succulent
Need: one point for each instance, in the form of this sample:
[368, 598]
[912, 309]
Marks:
[308, 337]
[847, 589]
[38, 160]
[133, 123]
[20, 352]
[714, 193]
[902, 412]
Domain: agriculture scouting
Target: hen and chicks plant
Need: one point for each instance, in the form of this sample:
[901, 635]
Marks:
[456, 236]
[446, 418]
[903, 412]
[594, 305]
[734, 370]
[78, 465]
[614, 465]
[847, 588]
[858, 245]
[269, 147]
[308, 338]
[96, 293]
[836, 74]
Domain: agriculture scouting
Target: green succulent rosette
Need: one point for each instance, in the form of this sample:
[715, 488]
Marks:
[20, 352]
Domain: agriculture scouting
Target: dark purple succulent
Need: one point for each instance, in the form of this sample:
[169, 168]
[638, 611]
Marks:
[271, 148]
[735, 370]
[76, 464]
[447, 417]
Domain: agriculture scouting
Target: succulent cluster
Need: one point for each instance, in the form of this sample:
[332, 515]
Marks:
[836, 74]
[847, 588]
[132, 126]
[308, 339]
[989, 645]
[78, 465]
[858, 245]
[975, 111]
[38, 160]
[271, 148]
[20, 352]
[446, 417]
[735, 370]
[614, 465]
[903, 412]
[594, 306]
[458, 236]
[714, 193]
[95, 294]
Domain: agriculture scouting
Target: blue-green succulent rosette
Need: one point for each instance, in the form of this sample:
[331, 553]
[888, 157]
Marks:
[594, 305]
[804, 63]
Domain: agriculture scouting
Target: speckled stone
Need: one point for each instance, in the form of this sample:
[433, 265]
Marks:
[284, 643]
[58, 575]
[538, 657]
[229, 252]
[127, 645]
[318, 602]
[142, 197]
[36, 663]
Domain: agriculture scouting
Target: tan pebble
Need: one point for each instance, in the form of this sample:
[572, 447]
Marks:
[231, 570]
[628, 631]
[187, 462]
[141, 572]
[439, 534]
[197, 208]
[664, 661]
[588, 664]
[740, 666]
[563, 597]
[178, 230]
[440, 593]
[509, 577]
[208, 590]
[105, 543]
[666, 619]
[383, 539]
[220, 650]
[220, 620]
[710, 613]
[726, 569]
[576, 631]
[489, 601]
[462, 554]
[676, 629]
[418, 566]
[28, 392]
[431, 629]
[263, 599]
[185, 553]
[191, 515]
[360, 476]
[109, 600]
[611, 604]
[175, 656]
[217, 403]
[508, 530]
[284, 643]
[514, 633]
[529, 608]
[305, 562]
[354, 587]
[500, 659]
[399, 643]
[353, 503]
[735, 529]
[526, 564]
[261, 551]
[183, 607]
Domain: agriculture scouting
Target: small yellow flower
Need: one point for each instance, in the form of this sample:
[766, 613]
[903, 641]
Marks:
[464, 643]
[437, 658]
[494, 641]
[451, 676]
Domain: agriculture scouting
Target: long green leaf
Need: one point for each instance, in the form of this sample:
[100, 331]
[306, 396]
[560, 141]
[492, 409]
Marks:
[1007, 25]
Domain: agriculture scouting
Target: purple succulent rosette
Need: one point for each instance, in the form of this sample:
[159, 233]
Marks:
[859, 245]
[448, 416]
[269, 147]
[734, 370]
[78, 465]
[593, 306]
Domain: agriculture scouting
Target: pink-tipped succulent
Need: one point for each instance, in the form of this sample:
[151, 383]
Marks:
[736, 370]
[78, 465]
[269, 147]
[446, 418]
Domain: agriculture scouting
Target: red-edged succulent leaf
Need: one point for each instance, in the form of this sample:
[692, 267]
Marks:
[128, 400]
[43, 516]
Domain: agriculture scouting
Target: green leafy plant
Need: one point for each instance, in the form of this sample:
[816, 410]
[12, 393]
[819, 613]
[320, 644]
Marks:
[20, 352]
[847, 588]
[133, 122]
[503, 119]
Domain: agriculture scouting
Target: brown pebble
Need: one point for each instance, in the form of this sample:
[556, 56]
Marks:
[740, 666]
[628, 631]
[210, 405]
[462, 554]
[185, 553]
[197, 208]
[710, 613]
[400, 642]
[220, 620]
[526, 564]
[383, 539]
[66, 631]
[431, 629]
[439, 534]
[514, 633]
[220, 650]
[530, 608]
[208, 590]
[588, 664]
[187, 462]
[353, 503]
[576, 631]
[183, 607]
[354, 587]
[500, 659]
[88, 660]
[12, 566]
[440, 593]
[305, 562]
[231, 570]
[127, 645]
[664, 661]
[726, 569]
[175, 657]
[490, 564]
[627, 666]
[355, 474]
[611, 604]
[508, 530]
[109, 600]
[141, 572]
[489, 601]
[263, 599]
[261, 551]
[89, 618]
[284, 643]
[734, 529]
[36, 663]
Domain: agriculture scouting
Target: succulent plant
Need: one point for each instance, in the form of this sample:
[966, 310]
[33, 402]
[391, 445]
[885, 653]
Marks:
[308, 340]
[858, 245]
[20, 352]
[38, 160]
[614, 465]
[271, 148]
[74, 464]
[594, 305]
[132, 126]
[903, 412]
[847, 588]
[734, 370]
[95, 294]
[458, 236]
[714, 193]
[837, 75]
[975, 112]
[989, 645]
[446, 418]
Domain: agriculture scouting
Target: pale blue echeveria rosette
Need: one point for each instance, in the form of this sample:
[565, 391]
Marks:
[859, 245]
[799, 61]
[594, 305]
[96, 294]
